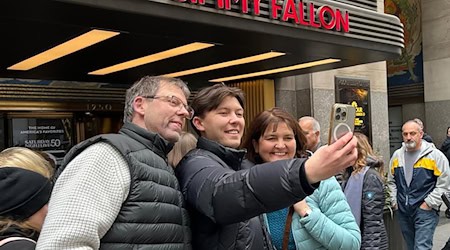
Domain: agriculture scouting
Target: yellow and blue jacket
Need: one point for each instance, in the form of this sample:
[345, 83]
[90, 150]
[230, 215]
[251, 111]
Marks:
[431, 177]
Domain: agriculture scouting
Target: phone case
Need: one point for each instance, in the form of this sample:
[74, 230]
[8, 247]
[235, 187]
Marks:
[342, 121]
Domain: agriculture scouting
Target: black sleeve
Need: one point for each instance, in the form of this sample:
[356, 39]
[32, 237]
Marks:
[227, 196]
[19, 244]
[373, 230]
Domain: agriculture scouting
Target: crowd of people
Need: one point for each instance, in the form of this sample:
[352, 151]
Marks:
[153, 185]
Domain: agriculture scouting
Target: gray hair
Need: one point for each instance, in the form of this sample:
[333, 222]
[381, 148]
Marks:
[418, 121]
[414, 121]
[316, 125]
[149, 85]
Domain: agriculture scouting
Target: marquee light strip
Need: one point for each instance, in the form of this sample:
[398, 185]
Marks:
[152, 58]
[221, 65]
[278, 70]
[78, 43]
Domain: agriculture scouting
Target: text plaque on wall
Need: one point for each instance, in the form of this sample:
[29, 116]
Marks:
[356, 92]
[53, 135]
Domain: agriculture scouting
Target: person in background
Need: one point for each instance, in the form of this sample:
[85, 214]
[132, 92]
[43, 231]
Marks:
[364, 190]
[28, 159]
[25, 189]
[311, 130]
[418, 176]
[50, 158]
[226, 201]
[425, 136]
[117, 191]
[186, 143]
[445, 148]
[23, 207]
[321, 221]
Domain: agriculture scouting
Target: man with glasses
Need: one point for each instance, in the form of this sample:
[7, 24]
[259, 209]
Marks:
[418, 176]
[117, 191]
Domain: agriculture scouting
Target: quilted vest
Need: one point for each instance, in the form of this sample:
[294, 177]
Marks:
[153, 215]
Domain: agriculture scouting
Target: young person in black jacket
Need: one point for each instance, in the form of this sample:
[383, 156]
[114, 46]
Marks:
[225, 201]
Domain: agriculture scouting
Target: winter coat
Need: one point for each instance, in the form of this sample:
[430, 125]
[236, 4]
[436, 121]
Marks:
[330, 225]
[153, 216]
[22, 244]
[445, 148]
[427, 137]
[430, 179]
[373, 231]
[225, 201]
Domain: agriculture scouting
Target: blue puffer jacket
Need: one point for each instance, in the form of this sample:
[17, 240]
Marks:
[330, 225]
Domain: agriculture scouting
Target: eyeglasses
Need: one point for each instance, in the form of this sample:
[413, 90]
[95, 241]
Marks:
[174, 102]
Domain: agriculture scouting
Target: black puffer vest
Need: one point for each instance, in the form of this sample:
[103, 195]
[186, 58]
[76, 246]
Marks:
[153, 216]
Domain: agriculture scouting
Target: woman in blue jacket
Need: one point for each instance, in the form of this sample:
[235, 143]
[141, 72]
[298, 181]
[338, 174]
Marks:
[323, 220]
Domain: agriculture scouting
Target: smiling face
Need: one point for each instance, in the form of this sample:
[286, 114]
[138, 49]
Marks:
[277, 143]
[225, 124]
[159, 116]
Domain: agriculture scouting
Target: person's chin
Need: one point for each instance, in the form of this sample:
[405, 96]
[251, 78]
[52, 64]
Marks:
[231, 143]
[277, 158]
[172, 136]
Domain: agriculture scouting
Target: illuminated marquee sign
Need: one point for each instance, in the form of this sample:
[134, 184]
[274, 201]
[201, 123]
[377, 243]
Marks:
[291, 11]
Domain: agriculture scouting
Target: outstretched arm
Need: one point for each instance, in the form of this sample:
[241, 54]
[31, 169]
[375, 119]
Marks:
[227, 196]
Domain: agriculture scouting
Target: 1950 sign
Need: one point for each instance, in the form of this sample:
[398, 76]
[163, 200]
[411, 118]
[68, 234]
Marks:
[292, 11]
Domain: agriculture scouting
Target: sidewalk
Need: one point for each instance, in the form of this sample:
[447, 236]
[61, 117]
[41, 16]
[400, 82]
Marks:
[441, 235]
[442, 231]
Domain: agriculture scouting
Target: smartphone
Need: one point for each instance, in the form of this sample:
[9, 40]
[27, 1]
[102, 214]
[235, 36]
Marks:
[342, 121]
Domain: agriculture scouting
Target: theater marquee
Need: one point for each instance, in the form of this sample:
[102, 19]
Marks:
[291, 11]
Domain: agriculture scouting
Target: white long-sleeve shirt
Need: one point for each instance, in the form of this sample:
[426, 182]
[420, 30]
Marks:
[86, 199]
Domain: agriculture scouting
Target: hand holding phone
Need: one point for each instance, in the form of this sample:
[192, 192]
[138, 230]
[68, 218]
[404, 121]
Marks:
[342, 121]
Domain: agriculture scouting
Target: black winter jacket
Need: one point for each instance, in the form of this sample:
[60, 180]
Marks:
[225, 200]
[445, 148]
[373, 231]
[427, 137]
[23, 244]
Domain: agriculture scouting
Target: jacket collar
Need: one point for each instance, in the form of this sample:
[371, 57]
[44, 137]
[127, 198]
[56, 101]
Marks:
[15, 231]
[232, 157]
[152, 141]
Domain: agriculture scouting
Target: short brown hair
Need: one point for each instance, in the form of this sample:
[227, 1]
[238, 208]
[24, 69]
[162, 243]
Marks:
[210, 98]
[262, 121]
[149, 85]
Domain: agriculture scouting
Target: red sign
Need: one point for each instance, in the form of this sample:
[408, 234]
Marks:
[291, 11]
